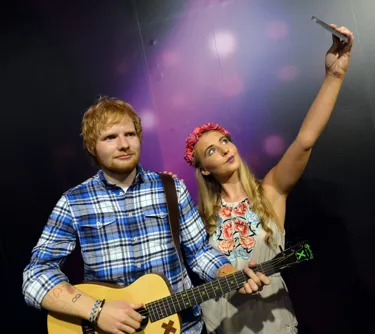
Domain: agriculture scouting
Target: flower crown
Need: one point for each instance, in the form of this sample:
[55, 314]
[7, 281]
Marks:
[195, 135]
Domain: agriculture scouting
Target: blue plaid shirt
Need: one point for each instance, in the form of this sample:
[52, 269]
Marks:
[123, 234]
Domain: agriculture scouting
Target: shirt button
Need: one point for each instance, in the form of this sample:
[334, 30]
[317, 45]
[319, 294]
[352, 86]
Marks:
[130, 214]
[135, 239]
[138, 265]
[99, 224]
[121, 193]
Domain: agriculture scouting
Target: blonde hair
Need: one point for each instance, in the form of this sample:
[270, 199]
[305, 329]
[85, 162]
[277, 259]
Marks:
[209, 199]
[103, 114]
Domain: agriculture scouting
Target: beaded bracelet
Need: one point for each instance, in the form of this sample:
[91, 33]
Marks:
[98, 313]
[94, 310]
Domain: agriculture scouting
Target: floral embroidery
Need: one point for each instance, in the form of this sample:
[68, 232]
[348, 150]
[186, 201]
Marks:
[240, 209]
[252, 217]
[241, 227]
[237, 227]
[248, 242]
[228, 230]
[226, 212]
[226, 245]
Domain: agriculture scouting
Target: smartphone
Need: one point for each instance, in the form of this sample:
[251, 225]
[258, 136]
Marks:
[330, 29]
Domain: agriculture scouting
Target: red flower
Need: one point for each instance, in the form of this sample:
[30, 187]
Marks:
[241, 227]
[226, 212]
[226, 245]
[240, 209]
[195, 135]
[227, 230]
[248, 242]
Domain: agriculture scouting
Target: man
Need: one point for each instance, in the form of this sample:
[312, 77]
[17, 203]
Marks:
[119, 217]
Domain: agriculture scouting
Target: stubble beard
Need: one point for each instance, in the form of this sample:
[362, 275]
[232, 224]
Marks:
[120, 168]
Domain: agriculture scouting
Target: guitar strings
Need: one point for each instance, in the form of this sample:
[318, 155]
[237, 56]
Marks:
[266, 268]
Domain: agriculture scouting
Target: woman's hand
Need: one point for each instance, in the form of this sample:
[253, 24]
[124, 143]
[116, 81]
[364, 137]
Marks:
[338, 56]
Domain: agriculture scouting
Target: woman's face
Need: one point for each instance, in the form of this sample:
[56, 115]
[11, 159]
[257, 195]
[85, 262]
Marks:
[218, 155]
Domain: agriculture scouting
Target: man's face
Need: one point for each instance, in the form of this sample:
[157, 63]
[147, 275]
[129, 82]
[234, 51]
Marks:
[118, 148]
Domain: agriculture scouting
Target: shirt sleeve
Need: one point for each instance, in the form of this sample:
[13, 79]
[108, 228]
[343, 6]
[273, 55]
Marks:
[199, 255]
[57, 241]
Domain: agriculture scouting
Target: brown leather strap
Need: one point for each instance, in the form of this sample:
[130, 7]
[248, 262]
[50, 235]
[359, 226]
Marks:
[173, 212]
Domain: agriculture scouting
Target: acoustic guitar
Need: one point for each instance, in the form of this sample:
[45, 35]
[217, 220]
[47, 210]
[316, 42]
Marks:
[161, 306]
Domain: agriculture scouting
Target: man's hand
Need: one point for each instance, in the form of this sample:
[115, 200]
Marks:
[119, 316]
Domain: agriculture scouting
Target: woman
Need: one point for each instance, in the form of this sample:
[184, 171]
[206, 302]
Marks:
[245, 217]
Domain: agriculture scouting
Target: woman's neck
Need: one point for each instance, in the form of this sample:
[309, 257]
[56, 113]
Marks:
[232, 190]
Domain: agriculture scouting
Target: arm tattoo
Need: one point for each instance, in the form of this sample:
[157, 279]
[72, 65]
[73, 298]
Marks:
[70, 289]
[57, 292]
[76, 297]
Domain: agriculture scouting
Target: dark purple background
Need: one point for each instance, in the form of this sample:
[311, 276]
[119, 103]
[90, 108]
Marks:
[253, 66]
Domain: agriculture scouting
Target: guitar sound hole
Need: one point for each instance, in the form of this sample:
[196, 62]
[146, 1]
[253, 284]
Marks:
[144, 321]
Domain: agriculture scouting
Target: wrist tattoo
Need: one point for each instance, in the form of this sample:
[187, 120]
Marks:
[76, 297]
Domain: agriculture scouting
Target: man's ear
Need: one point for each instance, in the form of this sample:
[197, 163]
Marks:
[204, 172]
[91, 151]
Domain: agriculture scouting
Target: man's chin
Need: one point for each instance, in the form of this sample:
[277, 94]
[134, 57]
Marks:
[122, 168]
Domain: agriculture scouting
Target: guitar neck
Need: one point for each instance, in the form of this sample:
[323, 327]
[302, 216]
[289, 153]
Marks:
[197, 295]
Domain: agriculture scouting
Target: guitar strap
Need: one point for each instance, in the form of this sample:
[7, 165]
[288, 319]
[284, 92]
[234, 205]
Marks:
[173, 215]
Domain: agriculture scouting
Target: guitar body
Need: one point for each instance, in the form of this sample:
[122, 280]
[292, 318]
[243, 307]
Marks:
[146, 289]
[163, 306]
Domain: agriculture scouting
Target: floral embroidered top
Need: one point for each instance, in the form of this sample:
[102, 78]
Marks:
[240, 236]
[237, 228]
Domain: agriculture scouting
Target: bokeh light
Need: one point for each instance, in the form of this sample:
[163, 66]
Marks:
[148, 119]
[277, 29]
[171, 58]
[273, 145]
[224, 44]
[287, 73]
